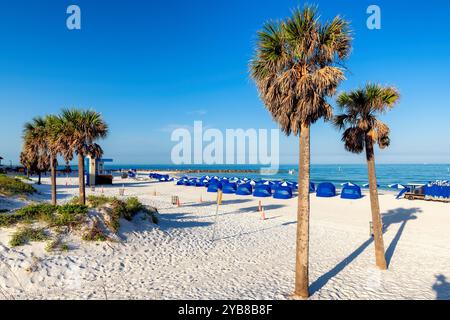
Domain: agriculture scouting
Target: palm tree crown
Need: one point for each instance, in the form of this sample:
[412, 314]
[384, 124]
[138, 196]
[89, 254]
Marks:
[35, 151]
[359, 119]
[296, 66]
[83, 128]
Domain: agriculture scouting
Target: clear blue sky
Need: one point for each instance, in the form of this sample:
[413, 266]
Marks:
[149, 66]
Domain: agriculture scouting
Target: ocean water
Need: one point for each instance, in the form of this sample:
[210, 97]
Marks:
[337, 174]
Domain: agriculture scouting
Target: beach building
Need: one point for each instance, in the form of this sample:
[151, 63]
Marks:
[95, 172]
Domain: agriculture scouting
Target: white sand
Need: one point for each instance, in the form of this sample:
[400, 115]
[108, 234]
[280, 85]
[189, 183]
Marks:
[249, 258]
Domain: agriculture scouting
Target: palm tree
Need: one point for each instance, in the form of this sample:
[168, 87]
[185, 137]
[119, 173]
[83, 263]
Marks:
[84, 127]
[295, 68]
[35, 153]
[57, 139]
[362, 131]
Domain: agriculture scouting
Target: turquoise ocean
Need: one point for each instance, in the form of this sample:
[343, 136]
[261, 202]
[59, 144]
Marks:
[337, 174]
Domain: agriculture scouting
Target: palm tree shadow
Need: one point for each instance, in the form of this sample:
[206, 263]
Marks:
[323, 279]
[395, 216]
[399, 215]
[442, 288]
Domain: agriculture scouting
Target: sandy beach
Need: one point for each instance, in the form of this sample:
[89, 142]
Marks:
[249, 258]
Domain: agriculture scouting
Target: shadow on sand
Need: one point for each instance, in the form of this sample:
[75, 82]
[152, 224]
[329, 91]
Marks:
[179, 221]
[442, 288]
[395, 216]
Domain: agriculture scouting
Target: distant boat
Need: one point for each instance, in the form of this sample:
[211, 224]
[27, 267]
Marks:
[291, 172]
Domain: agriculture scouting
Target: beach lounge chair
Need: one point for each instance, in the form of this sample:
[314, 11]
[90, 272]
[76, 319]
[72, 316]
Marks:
[245, 189]
[262, 191]
[229, 187]
[283, 192]
[351, 192]
[326, 190]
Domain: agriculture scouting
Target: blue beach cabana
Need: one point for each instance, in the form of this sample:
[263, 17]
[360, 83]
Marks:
[245, 189]
[229, 187]
[262, 191]
[351, 192]
[214, 186]
[283, 192]
[326, 190]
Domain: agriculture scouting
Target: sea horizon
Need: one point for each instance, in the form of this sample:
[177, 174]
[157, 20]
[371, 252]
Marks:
[338, 174]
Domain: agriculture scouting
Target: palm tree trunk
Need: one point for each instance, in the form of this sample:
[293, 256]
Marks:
[39, 177]
[375, 207]
[53, 179]
[302, 257]
[81, 179]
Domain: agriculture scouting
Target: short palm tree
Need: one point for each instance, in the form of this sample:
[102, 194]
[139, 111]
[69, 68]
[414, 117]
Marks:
[362, 131]
[35, 152]
[83, 128]
[296, 67]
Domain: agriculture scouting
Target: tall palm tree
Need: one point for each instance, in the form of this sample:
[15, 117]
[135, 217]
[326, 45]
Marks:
[84, 127]
[362, 131]
[296, 67]
[35, 153]
[57, 139]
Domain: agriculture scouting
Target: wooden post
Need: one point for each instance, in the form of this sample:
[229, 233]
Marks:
[219, 202]
[259, 206]
[263, 214]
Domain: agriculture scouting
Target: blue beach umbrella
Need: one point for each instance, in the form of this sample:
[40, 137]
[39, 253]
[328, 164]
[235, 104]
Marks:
[366, 185]
[396, 186]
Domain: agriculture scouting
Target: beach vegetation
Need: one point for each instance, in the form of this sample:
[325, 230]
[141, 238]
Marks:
[28, 234]
[297, 65]
[362, 130]
[95, 233]
[68, 215]
[57, 245]
[13, 186]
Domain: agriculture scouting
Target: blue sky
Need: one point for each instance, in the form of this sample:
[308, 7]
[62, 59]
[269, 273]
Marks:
[149, 66]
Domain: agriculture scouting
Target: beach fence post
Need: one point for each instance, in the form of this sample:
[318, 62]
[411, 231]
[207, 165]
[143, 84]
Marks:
[259, 206]
[219, 202]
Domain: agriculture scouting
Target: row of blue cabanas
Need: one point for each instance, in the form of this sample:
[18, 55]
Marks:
[243, 187]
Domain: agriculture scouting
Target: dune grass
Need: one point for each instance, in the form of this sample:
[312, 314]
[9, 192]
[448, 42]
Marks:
[68, 215]
[27, 234]
[14, 186]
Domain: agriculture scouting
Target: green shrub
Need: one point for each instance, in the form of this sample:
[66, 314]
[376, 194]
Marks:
[70, 215]
[7, 219]
[27, 234]
[13, 186]
[98, 201]
[42, 212]
[134, 206]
